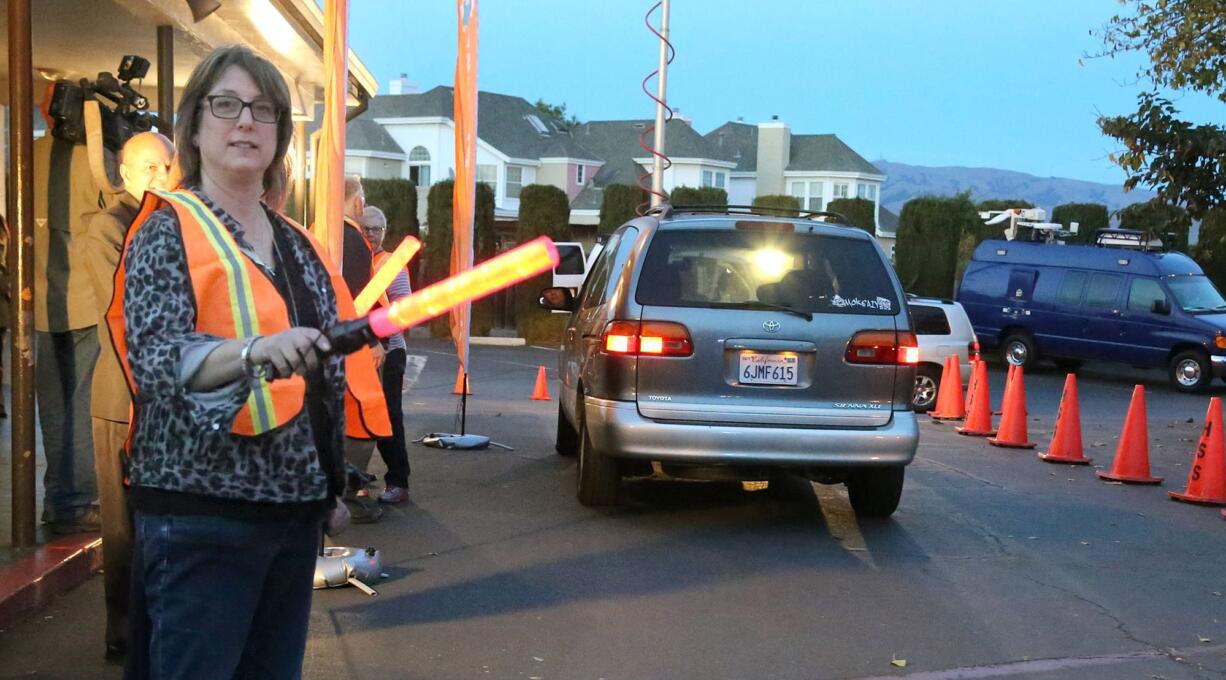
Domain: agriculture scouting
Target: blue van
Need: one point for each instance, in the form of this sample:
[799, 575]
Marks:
[1073, 303]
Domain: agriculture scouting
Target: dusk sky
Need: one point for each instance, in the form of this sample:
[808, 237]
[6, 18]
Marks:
[986, 83]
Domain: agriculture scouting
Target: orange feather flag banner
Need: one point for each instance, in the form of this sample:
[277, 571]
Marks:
[386, 273]
[464, 192]
[328, 180]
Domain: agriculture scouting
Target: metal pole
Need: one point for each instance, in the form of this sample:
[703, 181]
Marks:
[166, 79]
[657, 172]
[21, 266]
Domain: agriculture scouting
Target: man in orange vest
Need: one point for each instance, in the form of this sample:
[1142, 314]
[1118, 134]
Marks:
[360, 438]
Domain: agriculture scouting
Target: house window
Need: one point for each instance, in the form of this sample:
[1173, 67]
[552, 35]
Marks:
[861, 190]
[872, 192]
[840, 190]
[809, 194]
[419, 166]
[708, 179]
[488, 174]
[515, 180]
[719, 180]
[579, 174]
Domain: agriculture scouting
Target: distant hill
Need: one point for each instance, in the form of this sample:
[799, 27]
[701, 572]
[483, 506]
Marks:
[905, 182]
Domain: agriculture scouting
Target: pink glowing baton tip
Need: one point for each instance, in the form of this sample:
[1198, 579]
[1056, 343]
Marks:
[380, 325]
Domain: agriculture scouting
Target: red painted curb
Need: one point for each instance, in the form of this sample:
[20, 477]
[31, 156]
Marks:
[50, 569]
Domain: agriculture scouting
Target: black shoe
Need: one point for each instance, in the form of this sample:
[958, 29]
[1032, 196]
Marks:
[115, 652]
[363, 509]
[89, 521]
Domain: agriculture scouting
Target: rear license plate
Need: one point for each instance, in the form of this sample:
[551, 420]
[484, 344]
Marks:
[768, 369]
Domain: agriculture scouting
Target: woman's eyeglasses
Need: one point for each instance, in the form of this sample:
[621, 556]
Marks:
[227, 107]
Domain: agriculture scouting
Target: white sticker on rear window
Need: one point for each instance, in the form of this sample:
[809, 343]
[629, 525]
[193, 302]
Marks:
[879, 303]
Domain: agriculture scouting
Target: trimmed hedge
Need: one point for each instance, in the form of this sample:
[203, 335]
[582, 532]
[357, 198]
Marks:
[861, 211]
[790, 204]
[1158, 219]
[544, 210]
[698, 196]
[1089, 217]
[1002, 204]
[438, 247]
[397, 198]
[619, 205]
[930, 230]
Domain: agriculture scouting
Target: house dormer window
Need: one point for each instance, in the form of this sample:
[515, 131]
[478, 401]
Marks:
[537, 123]
[419, 166]
[580, 174]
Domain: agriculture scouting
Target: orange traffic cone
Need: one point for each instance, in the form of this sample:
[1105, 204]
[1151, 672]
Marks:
[1012, 432]
[970, 386]
[979, 413]
[1207, 479]
[462, 384]
[541, 391]
[1131, 464]
[1066, 441]
[949, 400]
[1005, 394]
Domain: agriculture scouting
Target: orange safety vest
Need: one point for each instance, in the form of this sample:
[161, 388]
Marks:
[219, 271]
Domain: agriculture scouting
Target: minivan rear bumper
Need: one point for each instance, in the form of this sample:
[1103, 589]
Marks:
[616, 428]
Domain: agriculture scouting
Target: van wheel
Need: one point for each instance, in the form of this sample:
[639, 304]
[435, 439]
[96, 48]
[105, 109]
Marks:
[927, 383]
[1018, 349]
[567, 443]
[1190, 371]
[599, 476]
[875, 492]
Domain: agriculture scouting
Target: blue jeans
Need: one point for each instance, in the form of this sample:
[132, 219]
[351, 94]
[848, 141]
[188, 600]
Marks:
[63, 371]
[223, 598]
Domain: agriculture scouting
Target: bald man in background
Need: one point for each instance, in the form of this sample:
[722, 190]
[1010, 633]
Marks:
[144, 163]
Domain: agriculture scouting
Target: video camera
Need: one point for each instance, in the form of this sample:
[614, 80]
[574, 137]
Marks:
[125, 111]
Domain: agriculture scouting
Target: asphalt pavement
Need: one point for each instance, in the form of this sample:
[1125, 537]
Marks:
[995, 565]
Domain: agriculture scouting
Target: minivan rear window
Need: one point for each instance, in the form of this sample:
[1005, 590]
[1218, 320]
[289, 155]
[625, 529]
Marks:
[807, 272]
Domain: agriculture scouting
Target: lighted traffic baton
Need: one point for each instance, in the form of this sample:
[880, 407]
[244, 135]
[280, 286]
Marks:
[503, 271]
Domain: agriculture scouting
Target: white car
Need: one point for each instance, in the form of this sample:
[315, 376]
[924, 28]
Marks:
[942, 329]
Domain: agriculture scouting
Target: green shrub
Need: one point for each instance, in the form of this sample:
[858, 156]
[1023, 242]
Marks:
[1089, 217]
[789, 205]
[860, 211]
[930, 231]
[619, 205]
[690, 196]
[397, 198]
[543, 211]
[438, 234]
[1210, 249]
[1158, 219]
[1002, 204]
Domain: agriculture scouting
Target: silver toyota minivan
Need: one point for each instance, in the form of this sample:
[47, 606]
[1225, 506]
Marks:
[733, 344]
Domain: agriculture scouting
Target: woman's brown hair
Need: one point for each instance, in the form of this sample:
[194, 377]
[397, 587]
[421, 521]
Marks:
[204, 76]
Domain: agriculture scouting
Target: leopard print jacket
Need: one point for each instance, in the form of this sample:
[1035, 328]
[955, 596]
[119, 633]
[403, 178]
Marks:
[182, 440]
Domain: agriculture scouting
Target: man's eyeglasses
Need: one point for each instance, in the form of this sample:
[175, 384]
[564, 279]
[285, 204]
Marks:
[227, 107]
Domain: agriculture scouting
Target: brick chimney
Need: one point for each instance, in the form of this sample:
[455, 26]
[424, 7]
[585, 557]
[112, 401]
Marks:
[774, 155]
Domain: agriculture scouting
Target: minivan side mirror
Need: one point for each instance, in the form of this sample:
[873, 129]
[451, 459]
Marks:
[557, 299]
[1162, 307]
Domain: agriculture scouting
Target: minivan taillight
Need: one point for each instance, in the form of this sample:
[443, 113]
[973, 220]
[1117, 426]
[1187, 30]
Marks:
[972, 351]
[650, 338]
[883, 348]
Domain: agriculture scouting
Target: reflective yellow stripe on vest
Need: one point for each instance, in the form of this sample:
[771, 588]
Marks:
[242, 304]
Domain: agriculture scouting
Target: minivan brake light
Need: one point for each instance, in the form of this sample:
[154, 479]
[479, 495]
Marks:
[883, 348]
[650, 338]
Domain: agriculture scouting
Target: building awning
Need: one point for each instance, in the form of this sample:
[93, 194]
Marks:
[79, 38]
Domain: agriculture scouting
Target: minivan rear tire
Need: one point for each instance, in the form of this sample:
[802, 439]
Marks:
[875, 492]
[567, 441]
[1191, 371]
[1018, 349]
[599, 476]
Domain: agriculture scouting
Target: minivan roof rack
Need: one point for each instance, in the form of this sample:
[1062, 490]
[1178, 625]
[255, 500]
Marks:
[667, 210]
